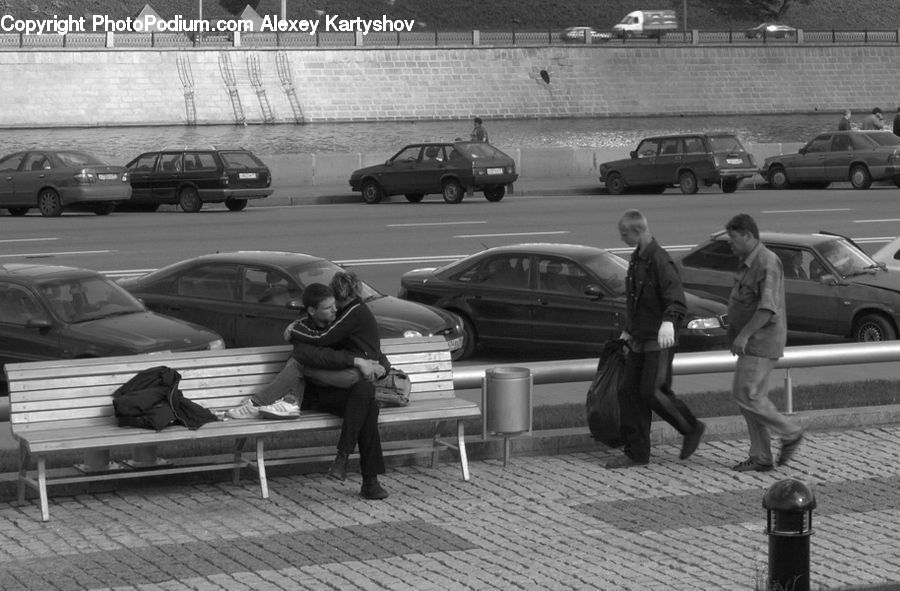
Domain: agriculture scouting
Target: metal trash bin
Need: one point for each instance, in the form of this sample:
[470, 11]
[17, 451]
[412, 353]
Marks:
[506, 403]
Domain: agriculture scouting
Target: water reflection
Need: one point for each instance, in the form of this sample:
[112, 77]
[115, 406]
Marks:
[119, 144]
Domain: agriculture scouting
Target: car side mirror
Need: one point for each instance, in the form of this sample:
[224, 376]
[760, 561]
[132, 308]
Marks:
[633, 154]
[802, 150]
[388, 162]
[38, 323]
[294, 305]
[828, 279]
[593, 291]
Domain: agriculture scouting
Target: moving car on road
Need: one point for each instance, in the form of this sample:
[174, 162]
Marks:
[857, 156]
[547, 296]
[54, 180]
[53, 312]
[831, 286]
[584, 35]
[250, 297]
[771, 31]
[446, 168]
[193, 177]
[688, 161]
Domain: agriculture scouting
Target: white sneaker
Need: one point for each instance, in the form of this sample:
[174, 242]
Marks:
[280, 410]
[247, 410]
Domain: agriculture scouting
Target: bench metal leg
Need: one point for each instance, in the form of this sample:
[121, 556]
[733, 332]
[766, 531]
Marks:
[436, 445]
[461, 443]
[42, 488]
[24, 462]
[261, 467]
[238, 460]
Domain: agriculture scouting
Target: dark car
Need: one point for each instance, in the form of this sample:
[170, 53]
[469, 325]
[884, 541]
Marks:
[831, 286]
[446, 168]
[546, 296]
[771, 31]
[54, 180]
[584, 35]
[53, 312]
[250, 297]
[684, 160]
[838, 156]
[193, 177]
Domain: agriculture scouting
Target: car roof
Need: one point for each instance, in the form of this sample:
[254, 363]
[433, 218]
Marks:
[698, 134]
[572, 250]
[271, 257]
[32, 272]
[811, 239]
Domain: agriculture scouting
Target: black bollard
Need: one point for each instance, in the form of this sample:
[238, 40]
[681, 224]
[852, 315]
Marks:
[789, 504]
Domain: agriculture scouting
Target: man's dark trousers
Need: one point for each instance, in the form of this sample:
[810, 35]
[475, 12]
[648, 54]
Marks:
[359, 409]
[648, 388]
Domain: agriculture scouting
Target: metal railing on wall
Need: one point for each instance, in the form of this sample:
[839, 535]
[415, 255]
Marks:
[433, 39]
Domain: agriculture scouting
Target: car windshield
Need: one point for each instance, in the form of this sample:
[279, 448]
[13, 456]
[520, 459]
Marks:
[322, 271]
[240, 160]
[846, 258]
[479, 151]
[884, 138]
[76, 159]
[611, 269]
[82, 299]
[725, 143]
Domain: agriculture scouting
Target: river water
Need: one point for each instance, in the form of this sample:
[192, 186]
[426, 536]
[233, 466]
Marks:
[117, 145]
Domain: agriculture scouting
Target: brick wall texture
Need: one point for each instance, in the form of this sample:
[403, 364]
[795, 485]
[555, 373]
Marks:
[141, 87]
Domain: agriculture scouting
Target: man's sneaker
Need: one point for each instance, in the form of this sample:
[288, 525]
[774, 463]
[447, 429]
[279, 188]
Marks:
[692, 441]
[372, 489]
[247, 410]
[751, 465]
[789, 448]
[280, 410]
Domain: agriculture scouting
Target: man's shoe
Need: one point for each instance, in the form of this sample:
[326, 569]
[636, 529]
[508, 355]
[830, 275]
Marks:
[692, 441]
[247, 410]
[751, 465]
[371, 489]
[280, 410]
[788, 448]
[338, 467]
[624, 462]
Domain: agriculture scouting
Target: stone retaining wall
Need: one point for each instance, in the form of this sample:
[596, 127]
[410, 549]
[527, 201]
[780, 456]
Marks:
[145, 87]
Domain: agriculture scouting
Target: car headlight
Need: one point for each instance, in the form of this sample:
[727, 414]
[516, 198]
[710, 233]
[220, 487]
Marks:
[409, 334]
[216, 344]
[704, 323]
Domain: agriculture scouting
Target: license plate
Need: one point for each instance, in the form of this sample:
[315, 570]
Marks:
[495, 171]
[455, 344]
[734, 161]
[246, 175]
[107, 176]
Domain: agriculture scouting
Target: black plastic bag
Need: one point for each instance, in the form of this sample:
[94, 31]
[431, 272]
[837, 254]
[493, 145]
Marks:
[602, 404]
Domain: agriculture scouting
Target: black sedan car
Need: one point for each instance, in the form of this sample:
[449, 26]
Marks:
[250, 297]
[771, 31]
[446, 168]
[831, 286]
[857, 156]
[54, 180]
[547, 296]
[52, 312]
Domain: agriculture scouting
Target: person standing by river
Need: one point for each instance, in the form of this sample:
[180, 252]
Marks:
[479, 133]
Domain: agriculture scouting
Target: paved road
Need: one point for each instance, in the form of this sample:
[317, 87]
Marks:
[543, 522]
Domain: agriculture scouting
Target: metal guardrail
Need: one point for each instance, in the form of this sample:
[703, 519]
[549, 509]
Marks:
[582, 370]
[180, 41]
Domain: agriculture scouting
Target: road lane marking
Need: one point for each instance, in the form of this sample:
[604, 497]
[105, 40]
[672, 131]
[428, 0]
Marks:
[434, 224]
[53, 254]
[27, 239]
[511, 234]
[876, 221]
[806, 210]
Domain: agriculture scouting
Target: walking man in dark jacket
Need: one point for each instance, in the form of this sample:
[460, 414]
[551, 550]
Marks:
[655, 309]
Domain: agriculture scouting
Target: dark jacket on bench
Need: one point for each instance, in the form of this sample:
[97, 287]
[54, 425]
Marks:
[152, 400]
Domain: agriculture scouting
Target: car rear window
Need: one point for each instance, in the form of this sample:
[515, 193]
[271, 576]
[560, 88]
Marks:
[240, 160]
[479, 151]
[726, 143]
[77, 158]
[884, 139]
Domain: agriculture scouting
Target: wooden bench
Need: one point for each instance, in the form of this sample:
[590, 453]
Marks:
[60, 406]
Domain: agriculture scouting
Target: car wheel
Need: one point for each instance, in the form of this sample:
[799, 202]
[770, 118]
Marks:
[860, 177]
[729, 185]
[18, 211]
[494, 194]
[453, 192]
[778, 178]
[49, 203]
[688, 182]
[371, 192]
[470, 338]
[236, 204]
[615, 184]
[873, 328]
[414, 197]
[189, 200]
[896, 182]
[104, 208]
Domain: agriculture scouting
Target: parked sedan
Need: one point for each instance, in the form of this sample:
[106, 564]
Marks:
[53, 312]
[54, 180]
[687, 161]
[250, 297]
[889, 255]
[838, 156]
[446, 168]
[546, 296]
[831, 285]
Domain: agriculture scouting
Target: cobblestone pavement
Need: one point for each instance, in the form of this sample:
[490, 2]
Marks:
[543, 522]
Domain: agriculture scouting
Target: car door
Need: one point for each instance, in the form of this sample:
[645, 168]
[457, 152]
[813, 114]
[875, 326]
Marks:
[36, 172]
[837, 159]
[809, 164]
[206, 294]
[642, 170]
[710, 269]
[400, 177]
[669, 160]
[141, 173]
[563, 314]
[20, 339]
[167, 177]
[263, 313]
[430, 170]
[811, 305]
[9, 168]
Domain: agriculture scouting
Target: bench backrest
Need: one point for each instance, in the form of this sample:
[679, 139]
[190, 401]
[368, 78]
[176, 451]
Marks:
[78, 392]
